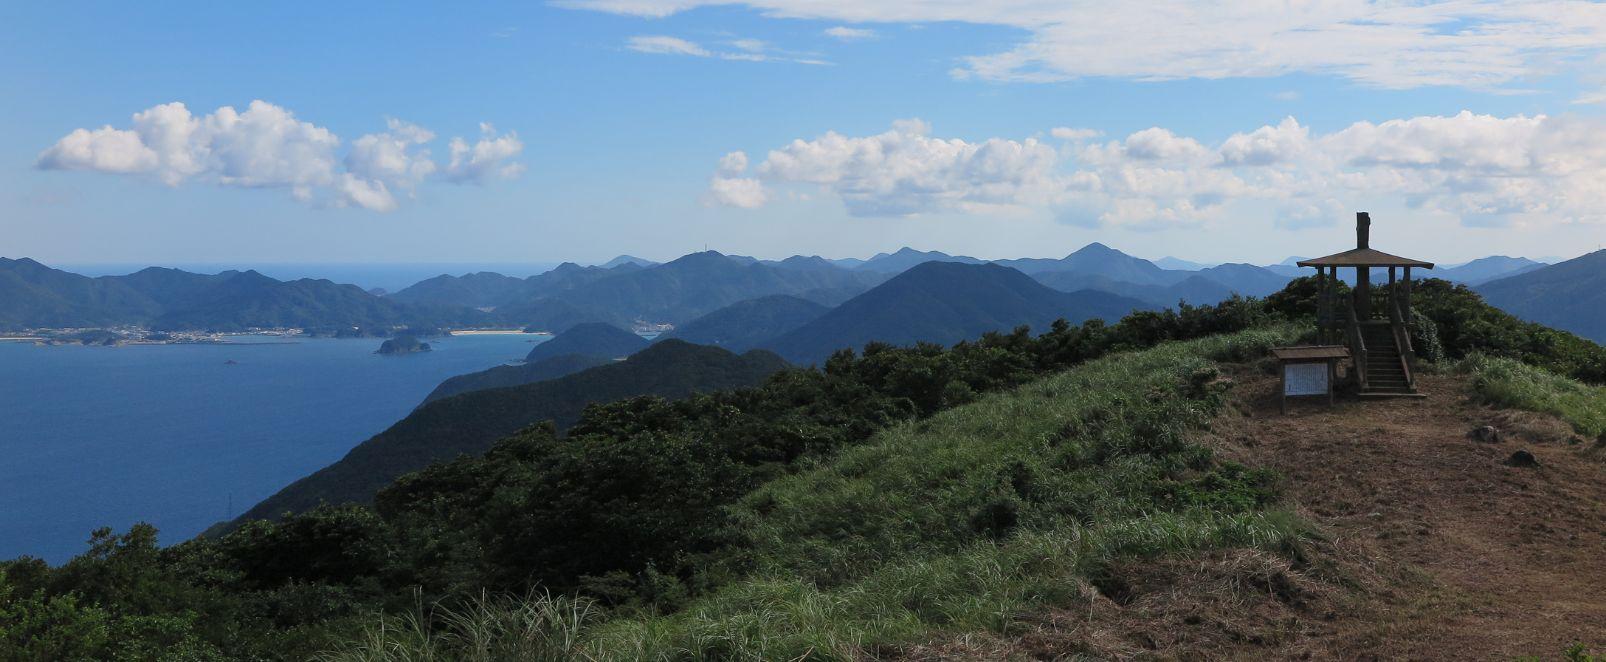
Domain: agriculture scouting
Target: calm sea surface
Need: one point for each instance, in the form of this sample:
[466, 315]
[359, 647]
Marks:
[176, 436]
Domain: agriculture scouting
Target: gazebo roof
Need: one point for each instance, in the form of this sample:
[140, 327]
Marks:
[1364, 257]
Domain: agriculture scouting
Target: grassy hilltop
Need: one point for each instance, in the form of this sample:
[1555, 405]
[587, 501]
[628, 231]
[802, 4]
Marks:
[899, 502]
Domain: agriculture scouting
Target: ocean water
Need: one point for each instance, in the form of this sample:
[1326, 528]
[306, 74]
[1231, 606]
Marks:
[175, 436]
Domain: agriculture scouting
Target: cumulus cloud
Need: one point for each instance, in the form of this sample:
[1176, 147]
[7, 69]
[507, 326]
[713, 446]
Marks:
[907, 171]
[732, 188]
[1464, 43]
[1072, 133]
[1266, 145]
[267, 146]
[491, 157]
[844, 33]
[1482, 169]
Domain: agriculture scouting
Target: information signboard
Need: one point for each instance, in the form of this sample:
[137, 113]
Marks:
[1305, 379]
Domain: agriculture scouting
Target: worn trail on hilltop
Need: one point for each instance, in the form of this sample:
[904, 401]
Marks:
[1513, 559]
[1427, 545]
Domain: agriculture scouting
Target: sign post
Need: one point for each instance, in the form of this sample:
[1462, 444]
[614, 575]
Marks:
[1307, 371]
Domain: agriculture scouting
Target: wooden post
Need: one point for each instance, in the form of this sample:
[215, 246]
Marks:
[1393, 291]
[1332, 377]
[1321, 305]
[1407, 298]
[1363, 293]
[1282, 386]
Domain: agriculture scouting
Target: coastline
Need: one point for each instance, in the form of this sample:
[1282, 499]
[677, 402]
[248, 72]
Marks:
[494, 332]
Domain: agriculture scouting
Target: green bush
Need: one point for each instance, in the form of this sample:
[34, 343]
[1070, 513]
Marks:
[1507, 382]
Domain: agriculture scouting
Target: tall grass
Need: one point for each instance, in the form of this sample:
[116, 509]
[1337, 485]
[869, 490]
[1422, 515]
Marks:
[486, 629]
[963, 522]
[1510, 383]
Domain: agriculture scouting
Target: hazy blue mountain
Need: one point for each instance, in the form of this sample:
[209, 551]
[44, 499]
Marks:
[1096, 259]
[250, 299]
[700, 283]
[848, 262]
[1246, 279]
[904, 258]
[628, 259]
[1485, 269]
[604, 341]
[806, 262]
[503, 376]
[34, 295]
[1569, 295]
[494, 290]
[748, 324]
[1178, 264]
[1196, 290]
[557, 316]
[174, 288]
[477, 290]
[945, 302]
[468, 423]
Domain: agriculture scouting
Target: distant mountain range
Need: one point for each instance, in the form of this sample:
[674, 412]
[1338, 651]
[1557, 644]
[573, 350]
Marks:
[944, 302]
[1569, 295]
[1485, 269]
[33, 295]
[625, 292]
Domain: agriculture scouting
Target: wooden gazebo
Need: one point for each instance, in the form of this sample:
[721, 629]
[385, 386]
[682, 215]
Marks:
[1381, 347]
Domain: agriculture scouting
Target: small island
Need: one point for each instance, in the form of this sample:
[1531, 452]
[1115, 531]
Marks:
[404, 344]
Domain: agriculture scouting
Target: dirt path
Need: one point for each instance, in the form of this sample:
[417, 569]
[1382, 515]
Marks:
[1512, 561]
[1429, 546]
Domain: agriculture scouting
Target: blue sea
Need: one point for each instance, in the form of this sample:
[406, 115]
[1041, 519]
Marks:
[177, 436]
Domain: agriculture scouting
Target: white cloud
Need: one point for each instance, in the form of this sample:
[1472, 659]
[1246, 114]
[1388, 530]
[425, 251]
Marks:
[665, 45]
[730, 187]
[746, 50]
[266, 146]
[1479, 168]
[1074, 134]
[845, 33]
[1464, 43]
[488, 158]
[393, 157]
[906, 171]
[744, 192]
[104, 150]
[1266, 145]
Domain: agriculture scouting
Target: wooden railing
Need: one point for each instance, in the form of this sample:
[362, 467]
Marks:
[1357, 343]
[1398, 321]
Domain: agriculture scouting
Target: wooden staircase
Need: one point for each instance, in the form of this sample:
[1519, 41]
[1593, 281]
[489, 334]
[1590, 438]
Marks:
[1383, 354]
[1386, 371]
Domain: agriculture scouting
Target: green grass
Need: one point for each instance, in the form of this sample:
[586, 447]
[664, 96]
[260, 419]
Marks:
[963, 522]
[1509, 383]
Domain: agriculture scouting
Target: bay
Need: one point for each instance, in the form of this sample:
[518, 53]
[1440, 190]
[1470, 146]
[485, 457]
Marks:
[184, 436]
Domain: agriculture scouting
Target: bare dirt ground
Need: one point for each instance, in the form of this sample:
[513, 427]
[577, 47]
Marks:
[1428, 545]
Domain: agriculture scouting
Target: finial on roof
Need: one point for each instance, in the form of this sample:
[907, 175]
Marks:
[1363, 230]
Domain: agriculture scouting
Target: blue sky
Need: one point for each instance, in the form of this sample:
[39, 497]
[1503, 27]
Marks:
[997, 130]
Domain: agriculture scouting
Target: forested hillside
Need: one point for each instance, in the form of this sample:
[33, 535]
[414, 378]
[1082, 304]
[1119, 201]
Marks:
[1569, 295]
[470, 422]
